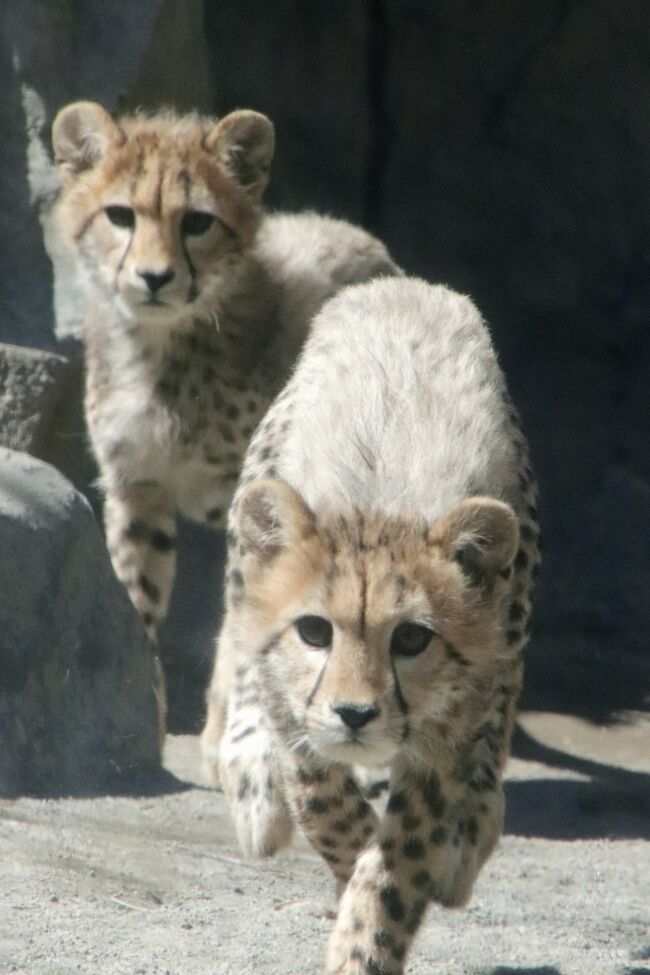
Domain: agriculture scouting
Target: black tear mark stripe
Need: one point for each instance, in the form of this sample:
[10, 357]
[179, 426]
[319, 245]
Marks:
[401, 700]
[193, 291]
[86, 224]
[124, 256]
[362, 612]
[314, 690]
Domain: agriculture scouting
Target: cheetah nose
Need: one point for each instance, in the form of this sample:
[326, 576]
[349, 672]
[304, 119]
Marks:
[355, 715]
[156, 280]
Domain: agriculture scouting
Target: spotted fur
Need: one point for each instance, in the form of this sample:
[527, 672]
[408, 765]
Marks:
[388, 494]
[197, 307]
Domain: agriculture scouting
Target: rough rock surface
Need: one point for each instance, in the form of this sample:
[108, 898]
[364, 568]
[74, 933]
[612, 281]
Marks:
[41, 411]
[77, 706]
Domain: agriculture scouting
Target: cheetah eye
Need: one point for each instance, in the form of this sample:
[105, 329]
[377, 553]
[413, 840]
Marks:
[410, 639]
[196, 222]
[121, 216]
[314, 631]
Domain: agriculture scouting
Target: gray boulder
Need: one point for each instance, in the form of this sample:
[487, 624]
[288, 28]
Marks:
[41, 412]
[77, 705]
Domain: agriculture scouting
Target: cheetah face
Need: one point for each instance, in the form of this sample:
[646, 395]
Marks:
[160, 207]
[366, 626]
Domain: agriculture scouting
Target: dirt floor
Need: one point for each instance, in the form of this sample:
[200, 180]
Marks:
[155, 885]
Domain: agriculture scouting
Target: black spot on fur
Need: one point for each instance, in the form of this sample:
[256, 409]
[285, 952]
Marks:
[384, 940]
[149, 588]
[393, 903]
[415, 916]
[236, 578]
[310, 776]
[421, 879]
[521, 560]
[516, 612]
[413, 849]
[214, 514]
[397, 803]
[161, 541]
[472, 830]
[350, 787]
[513, 636]
[341, 826]
[317, 806]
[398, 951]
[137, 531]
[528, 534]
[432, 796]
[484, 779]
[244, 787]
[411, 822]
[438, 836]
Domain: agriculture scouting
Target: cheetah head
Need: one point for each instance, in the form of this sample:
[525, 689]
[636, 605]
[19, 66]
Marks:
[160, 207]
[367, 627]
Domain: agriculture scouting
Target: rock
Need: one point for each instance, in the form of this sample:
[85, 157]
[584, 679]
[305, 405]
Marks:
[41, 411]
[308, 70]
[31, 386]
[78, 711]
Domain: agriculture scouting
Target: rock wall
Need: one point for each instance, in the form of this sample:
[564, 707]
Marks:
[78, 710]
[503, 148]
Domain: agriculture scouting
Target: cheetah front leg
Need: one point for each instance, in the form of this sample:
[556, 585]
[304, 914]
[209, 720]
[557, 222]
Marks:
[248, 766]
[334, 816]
[141, 536]
[425, 850]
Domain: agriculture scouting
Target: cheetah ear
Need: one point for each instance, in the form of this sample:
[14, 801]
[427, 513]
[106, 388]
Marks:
[271, 517]
[245, 141]
[481, 535]
[81, 133]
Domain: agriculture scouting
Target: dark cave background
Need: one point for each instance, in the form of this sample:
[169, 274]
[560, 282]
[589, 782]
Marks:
[502, 148]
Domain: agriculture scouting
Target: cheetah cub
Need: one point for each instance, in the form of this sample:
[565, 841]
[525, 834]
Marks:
[383, 540]
[197, 307]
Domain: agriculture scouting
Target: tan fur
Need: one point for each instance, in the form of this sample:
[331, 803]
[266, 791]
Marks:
[197, 308]
[387, 492]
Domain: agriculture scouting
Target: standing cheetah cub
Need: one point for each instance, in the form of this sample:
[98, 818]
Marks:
[383, 541]
[197, 307]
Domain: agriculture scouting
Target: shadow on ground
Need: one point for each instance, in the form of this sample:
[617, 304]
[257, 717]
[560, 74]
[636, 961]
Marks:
[606, 802]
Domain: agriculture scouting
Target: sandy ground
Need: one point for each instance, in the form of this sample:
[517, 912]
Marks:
[155, 885]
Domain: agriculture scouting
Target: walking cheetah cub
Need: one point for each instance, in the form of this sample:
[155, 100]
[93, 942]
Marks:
[197, 307]
[383, 542]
